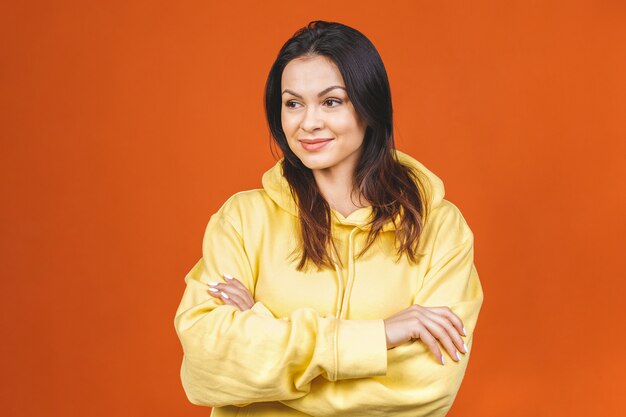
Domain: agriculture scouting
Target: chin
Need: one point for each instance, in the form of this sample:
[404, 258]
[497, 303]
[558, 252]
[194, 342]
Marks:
[315, 162]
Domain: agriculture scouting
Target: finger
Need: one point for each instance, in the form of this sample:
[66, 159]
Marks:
[223, 292]
[233, 301]
[234, 298]
[224, 298]
[442, 335]
[245, 291]
[430, 341]
[451, 330]
[454, 319]
[214, 292]
[230, 301]
[232, 290]
[236, 295]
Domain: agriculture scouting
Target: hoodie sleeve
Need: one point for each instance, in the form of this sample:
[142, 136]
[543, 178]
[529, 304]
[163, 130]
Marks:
[234, 357]
[416, 384]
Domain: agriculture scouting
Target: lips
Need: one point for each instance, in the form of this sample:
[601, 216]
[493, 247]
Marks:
[314, 144]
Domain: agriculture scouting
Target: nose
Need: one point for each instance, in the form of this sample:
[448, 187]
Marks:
[311, 120]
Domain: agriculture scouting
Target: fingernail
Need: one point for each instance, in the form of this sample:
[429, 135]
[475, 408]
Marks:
[443, 362]
[464, 331]
[225, 295]
[213, 290]
[465, 347]
[458, 358]
[227, 276]
[212, 283]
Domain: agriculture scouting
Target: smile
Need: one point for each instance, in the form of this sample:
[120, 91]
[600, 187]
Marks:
[314, 144]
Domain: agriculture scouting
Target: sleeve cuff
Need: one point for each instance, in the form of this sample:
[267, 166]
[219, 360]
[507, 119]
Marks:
[261, 309]
[361, 349]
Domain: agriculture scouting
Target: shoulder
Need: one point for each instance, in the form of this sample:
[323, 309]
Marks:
[245, 206]
[242, 201]
[445, 226]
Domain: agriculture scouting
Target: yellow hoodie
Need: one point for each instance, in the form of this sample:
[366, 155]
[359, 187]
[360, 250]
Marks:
[314, 343]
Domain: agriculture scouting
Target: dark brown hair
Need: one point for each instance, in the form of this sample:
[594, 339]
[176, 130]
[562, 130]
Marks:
[393, 189]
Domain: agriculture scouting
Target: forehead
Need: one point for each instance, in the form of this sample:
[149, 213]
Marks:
[311, 74]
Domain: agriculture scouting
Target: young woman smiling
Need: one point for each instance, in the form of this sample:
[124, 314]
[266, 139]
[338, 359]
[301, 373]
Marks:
[337, 287]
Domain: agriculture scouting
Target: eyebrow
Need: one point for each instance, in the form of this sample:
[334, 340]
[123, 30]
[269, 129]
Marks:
[320, 94]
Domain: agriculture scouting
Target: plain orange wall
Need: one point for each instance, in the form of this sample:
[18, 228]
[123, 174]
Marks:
[126, 124]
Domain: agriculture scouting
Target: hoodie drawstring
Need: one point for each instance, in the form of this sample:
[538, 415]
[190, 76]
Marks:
[339, 292]
[343, 296]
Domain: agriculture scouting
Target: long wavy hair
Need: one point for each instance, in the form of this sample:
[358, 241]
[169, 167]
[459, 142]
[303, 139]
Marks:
[393, 189]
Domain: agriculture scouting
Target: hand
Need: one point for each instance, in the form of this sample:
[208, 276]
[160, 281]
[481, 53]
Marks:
[232, 292]
[427, 324]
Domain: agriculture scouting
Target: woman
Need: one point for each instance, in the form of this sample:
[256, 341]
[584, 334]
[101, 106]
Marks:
[346, 285]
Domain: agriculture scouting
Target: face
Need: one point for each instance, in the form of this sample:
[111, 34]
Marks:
[318, 119]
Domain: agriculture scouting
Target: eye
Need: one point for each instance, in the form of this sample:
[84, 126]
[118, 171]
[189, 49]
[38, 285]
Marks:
[291, 104]
[333, 100]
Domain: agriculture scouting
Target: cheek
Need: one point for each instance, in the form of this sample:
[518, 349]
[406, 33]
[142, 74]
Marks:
[345, 123]
[288, 122]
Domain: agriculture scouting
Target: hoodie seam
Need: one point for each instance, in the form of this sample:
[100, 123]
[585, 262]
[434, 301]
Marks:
[340, 291]
[469, 237]
[231, 222]
[336, 351]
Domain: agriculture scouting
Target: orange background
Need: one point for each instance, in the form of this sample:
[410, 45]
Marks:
[125, 125]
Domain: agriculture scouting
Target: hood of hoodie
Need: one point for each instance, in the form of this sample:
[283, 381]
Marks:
[277, 188]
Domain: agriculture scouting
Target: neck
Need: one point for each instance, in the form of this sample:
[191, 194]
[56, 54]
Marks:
[336, 186]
